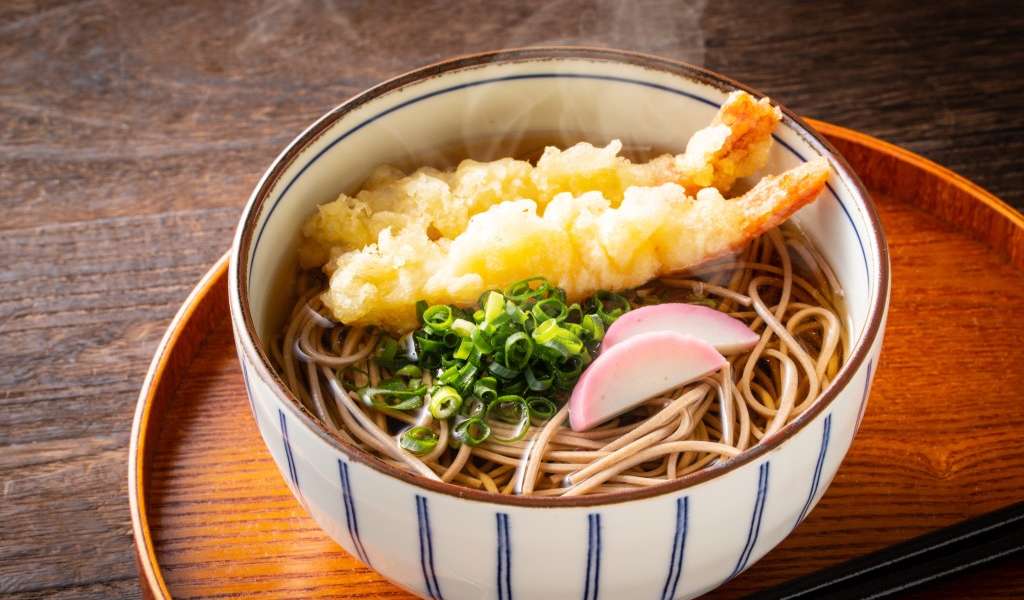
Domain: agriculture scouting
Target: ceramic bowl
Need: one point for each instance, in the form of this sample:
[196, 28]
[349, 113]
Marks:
[437, 540]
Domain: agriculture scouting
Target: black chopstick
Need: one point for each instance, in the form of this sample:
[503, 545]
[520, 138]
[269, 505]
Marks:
[912, 563]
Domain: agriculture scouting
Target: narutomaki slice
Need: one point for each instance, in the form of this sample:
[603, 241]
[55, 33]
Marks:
[726, 334]
[635, 370]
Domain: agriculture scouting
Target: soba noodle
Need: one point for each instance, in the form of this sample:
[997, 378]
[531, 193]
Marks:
[779, 285]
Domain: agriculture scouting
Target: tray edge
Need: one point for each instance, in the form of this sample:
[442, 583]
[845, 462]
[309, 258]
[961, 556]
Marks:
[151, 579]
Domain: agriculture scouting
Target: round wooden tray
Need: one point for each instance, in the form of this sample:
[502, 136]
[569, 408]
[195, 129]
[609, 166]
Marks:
[941, 440]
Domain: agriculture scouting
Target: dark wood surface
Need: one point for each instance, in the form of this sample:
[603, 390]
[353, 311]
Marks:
[131, 133]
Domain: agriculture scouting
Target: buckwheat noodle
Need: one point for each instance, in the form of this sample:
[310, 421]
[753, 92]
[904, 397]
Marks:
[779, 285]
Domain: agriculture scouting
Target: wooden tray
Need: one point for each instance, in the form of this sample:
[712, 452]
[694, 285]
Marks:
[941, 440]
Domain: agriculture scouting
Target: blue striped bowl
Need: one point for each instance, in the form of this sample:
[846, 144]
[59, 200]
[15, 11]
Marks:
[441, 541]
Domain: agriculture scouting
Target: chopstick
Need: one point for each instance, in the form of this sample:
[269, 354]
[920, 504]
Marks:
[920, 560]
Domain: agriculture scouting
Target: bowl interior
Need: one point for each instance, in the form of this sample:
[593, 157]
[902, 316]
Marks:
[488, 109]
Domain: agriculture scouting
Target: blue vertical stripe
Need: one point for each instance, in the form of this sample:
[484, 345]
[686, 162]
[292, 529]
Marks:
[427, 549]
[504, 576]
[350, 513]
[248, 391]
[292, 471]
[755, 520]
[816, 479]
[591, 585]
[675, 565]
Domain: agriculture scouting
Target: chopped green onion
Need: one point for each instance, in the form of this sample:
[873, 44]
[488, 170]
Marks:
[494, 306]
[515, 314]
[429, 346]
[541, 408]
[418, 440]
[511, 409]
[438, 317]
[610, 306]
[378, 397]
[518, 349]
[482, 342]
[570, 342]
[557, 348]
[466, 375]
[521, 291]
[409, 371]
[567, 372]
[486, 388]
[538, 377]
[491, 361]
[448, 375]
[474, 356]
[550, 308]
[464, 349]
[593, 325]
[386, 352]
[517, 386]
[472, 432]
[481, 301]
[473, 407]
[444, 402]
[463, 327]
[576, 329]
[547, 331]
[451, 339]
[502, 371]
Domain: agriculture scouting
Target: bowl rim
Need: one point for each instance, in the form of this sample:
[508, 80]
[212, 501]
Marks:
[246, 333]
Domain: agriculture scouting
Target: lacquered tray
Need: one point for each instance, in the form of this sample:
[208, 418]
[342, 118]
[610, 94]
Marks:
[941, 440]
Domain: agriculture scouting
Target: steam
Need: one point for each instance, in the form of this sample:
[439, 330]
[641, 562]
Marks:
[670, 29]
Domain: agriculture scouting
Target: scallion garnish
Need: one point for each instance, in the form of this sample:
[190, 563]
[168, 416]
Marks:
[609, 305]
[438, 317]
[411, 371]
[510, 409]
[472, 431]
[418, 440]
[392, 397]
[463, 327]
[518, 349]
[486, 388]
[541, 408]
[490, 361]
[493, 307]
[444, 402]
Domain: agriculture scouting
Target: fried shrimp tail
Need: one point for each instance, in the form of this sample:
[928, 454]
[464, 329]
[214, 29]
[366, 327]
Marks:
[734, 145]
[776, 197]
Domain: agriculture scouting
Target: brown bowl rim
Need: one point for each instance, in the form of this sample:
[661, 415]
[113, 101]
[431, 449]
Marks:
[253, 208]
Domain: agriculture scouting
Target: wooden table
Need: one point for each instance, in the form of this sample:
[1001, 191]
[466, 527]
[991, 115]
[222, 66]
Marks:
[132, 133]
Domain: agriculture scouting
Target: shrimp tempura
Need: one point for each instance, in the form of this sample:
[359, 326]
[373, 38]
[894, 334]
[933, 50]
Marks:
[734, 145]
[584, 218]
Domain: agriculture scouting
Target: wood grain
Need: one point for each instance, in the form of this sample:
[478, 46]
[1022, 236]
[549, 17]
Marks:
[132, 132]
[937, 445]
